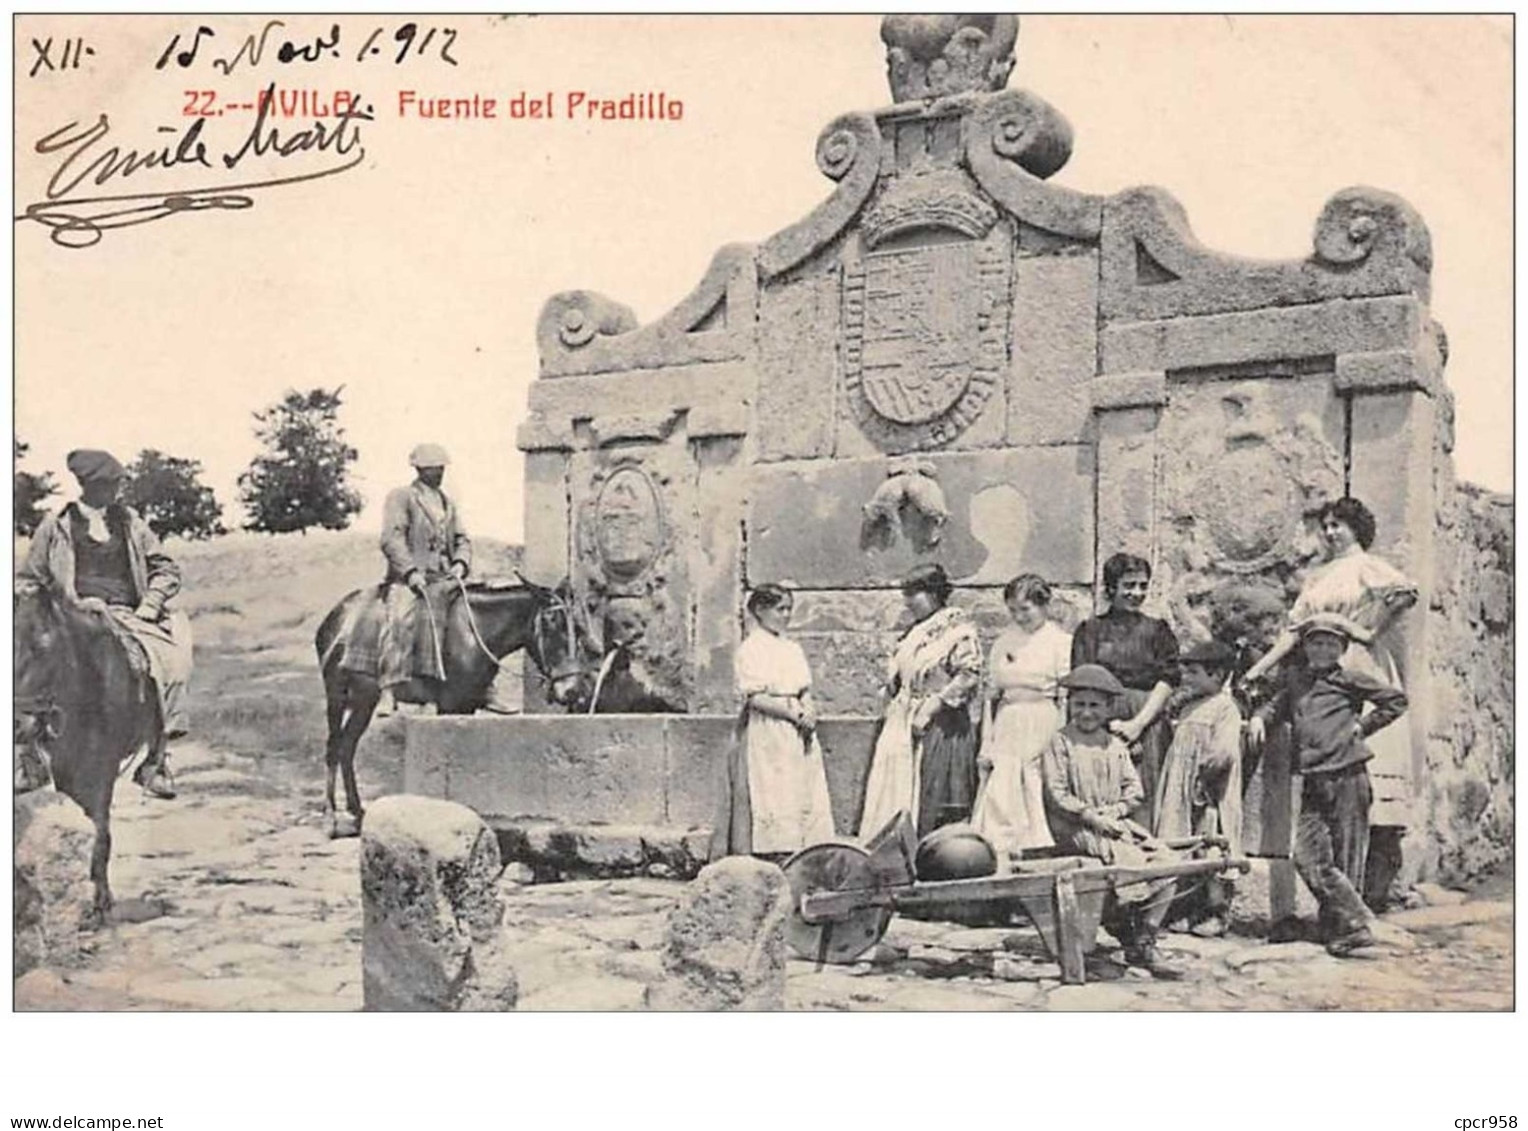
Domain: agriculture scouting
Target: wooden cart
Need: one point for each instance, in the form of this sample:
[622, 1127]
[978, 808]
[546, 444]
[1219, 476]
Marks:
[844, 895]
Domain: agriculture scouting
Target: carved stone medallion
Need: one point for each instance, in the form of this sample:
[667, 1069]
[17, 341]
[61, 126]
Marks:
[628, 523]
[923, 335]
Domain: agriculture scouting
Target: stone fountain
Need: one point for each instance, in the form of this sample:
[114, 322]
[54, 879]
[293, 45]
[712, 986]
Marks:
[952, 358]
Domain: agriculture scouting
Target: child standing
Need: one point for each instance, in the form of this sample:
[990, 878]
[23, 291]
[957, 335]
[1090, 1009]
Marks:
[1090, 786]
[1324, 702]
[1200, 789]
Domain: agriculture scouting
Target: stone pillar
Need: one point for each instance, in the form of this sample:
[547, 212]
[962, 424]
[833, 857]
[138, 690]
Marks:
[431, 907]
[548, 536]
[716, 568]
[1393, 435]
[54, 897]
[725, 947]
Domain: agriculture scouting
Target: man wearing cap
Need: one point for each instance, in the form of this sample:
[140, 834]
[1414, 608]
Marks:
[423, 543]
[1324, 703]
[101, 555]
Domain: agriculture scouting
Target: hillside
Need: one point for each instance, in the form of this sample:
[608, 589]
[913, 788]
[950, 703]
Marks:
[255, 602]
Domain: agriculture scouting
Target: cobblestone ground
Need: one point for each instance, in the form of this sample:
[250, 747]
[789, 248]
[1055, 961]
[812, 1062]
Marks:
[231, 898]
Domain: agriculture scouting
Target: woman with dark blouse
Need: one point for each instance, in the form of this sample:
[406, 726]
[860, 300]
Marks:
[1142, 653]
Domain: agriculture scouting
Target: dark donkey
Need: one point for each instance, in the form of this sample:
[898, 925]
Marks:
[82, 703]
[476, 634]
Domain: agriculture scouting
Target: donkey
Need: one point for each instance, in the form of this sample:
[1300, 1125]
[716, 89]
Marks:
[84, 705]
[478, 628]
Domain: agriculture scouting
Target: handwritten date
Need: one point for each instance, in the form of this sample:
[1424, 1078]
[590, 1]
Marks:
[399, 44]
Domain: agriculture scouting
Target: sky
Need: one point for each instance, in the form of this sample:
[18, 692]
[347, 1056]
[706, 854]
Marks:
[414, 280]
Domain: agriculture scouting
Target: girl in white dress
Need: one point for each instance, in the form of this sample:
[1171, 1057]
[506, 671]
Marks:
[1024, 673]
[776, 801]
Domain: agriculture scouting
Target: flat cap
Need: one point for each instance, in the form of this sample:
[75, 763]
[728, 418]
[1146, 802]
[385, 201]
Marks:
[91, 465]
[1336, 624]
[429, 455]
[1092, 677]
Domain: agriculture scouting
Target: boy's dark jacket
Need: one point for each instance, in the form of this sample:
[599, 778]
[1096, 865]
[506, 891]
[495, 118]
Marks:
[1323, 706]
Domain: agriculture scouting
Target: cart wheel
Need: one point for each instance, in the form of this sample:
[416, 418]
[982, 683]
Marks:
[833, 867]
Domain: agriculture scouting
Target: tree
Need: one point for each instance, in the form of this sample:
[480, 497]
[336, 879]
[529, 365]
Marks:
[166, 492]
[31, 490]
[301, 479]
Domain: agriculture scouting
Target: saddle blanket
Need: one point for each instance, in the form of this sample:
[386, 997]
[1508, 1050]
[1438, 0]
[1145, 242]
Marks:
[391, 631]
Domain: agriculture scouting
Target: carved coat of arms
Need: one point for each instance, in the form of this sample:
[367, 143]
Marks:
[923, 332]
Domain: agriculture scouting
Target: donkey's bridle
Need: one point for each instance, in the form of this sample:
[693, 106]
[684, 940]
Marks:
[557, 604]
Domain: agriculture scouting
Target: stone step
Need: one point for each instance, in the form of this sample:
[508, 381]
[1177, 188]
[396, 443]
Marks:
[558, 850]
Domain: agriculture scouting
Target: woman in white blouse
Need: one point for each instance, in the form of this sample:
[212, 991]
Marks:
[1024, 672]
[776, 800]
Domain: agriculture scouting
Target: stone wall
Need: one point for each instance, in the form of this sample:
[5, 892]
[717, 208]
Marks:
[1468, 795]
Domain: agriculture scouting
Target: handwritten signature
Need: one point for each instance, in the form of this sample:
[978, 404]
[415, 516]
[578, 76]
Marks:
[82, 221]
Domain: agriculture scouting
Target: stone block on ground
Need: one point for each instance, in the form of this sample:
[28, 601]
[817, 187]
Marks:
[431, 909]
[725, 942]
[54, 898]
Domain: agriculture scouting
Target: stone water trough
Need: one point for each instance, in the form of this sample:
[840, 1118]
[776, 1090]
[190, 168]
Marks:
[605, 795]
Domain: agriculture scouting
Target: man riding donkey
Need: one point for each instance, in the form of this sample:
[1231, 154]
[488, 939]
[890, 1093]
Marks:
[100, 555]
[427, 553]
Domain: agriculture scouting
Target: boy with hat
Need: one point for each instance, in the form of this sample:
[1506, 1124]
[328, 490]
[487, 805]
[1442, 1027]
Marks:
[1091, 785]
[424, 543]
[1324, 703]
[1199, 792]
[103, 556]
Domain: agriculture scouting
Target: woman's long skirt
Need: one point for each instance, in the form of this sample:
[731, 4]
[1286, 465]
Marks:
[947, 780]
[1148, 752]
[1011, 810]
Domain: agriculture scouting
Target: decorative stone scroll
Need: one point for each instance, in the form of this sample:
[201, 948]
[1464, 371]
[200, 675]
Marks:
[849, 151]
[1013, 141]
[1368, 243]
[584, 332]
